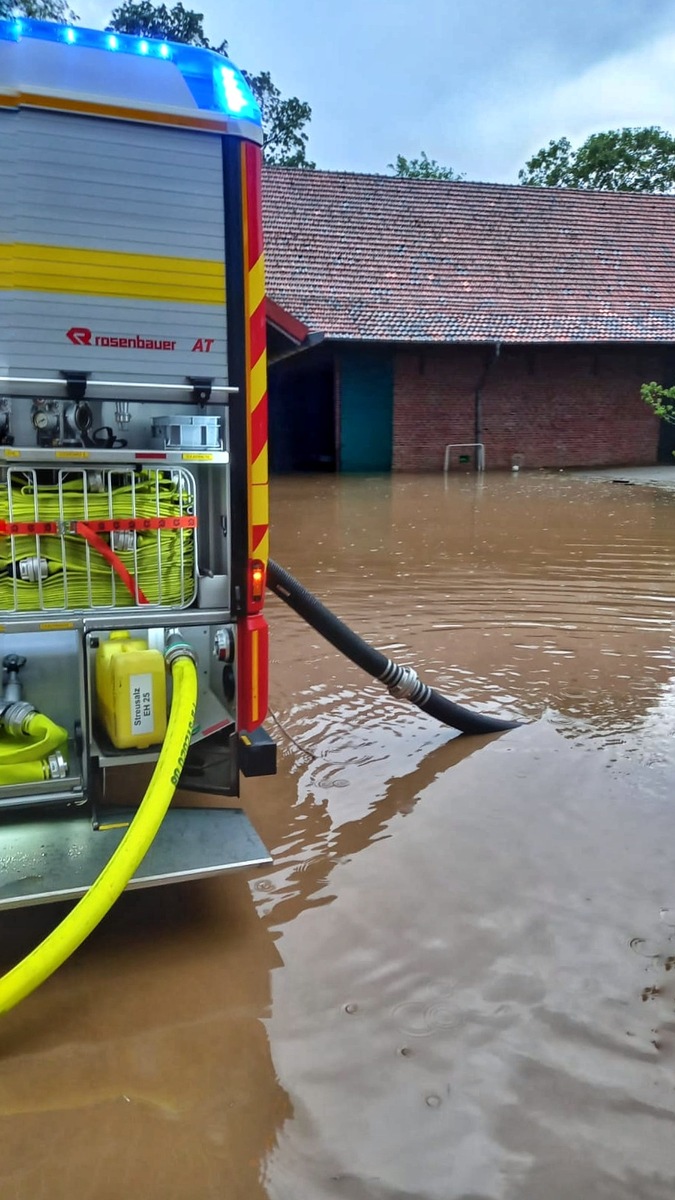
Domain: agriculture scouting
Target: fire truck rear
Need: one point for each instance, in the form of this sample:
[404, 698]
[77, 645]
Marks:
[133, 453]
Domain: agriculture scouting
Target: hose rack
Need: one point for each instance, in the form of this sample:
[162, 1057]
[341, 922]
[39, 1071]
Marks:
[76, 537]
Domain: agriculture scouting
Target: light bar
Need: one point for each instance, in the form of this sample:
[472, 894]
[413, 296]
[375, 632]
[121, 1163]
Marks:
[228, 81]
[215, 83]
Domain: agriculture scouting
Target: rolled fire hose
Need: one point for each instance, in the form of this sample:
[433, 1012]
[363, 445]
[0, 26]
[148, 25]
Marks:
[28, 772]
[33, 970]
[402, 682]
[76, 577]
[34, 737]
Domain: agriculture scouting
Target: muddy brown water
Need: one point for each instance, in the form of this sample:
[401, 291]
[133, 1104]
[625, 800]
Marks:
[455, 981]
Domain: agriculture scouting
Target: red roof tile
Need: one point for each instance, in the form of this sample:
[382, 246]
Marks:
[383, 259]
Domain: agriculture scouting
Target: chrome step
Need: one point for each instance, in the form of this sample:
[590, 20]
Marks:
[59, 857]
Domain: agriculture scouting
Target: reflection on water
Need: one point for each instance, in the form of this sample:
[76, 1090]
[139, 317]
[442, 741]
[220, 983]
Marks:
[456, 980]
[518, 594]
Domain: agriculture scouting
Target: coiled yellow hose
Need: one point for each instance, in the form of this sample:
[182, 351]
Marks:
[39, 738]
[90, 910]
[25, 772]
[161, 563]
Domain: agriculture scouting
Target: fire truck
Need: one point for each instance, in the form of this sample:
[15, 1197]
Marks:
[133, 462]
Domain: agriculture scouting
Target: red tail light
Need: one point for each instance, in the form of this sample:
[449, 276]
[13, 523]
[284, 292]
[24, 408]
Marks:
[256, 584]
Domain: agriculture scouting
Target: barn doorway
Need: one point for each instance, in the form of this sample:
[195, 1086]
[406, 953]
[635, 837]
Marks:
[302, 427]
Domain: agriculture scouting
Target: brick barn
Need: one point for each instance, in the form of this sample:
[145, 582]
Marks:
[407, 315]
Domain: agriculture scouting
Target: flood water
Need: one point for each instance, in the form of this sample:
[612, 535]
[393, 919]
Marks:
[455, 981]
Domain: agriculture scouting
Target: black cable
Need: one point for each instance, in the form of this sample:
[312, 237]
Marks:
[402, 682]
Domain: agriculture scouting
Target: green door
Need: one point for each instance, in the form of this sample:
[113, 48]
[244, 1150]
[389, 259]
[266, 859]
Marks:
[366, 410]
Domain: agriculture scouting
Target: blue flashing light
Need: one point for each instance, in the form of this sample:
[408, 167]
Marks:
[236, 99]
[215, 84]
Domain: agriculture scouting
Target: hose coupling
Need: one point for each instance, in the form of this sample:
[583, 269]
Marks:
[406, 684]
[403, 683]
[57, 765]
[176, 647]
[14, 717]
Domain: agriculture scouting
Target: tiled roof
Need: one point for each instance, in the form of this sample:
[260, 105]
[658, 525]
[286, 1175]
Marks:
[383, 259]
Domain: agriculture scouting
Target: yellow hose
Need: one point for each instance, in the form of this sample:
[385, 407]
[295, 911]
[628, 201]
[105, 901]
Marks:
[77, 577]
[85, 916]
[25, 772]
[39, 739]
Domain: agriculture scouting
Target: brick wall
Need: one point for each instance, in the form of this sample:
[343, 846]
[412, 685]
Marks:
[555, 406]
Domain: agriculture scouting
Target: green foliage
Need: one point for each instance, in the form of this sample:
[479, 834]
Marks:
[283, 123]
[549, 167]
[176, 24]
[421, 168]
[40, 10]
[661, 400]
[620, 160]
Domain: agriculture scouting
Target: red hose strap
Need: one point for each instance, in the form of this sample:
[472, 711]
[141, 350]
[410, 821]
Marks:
[90, 531]
[111, 525]
[19, 528]
[116, 563]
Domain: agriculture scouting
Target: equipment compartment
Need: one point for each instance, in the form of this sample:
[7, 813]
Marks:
[88, 538]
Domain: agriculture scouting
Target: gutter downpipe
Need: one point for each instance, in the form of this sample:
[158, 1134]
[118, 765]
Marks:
[490, 360]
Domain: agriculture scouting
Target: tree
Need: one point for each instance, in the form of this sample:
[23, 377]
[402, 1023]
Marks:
[421, 168]
[621, 160]
[283, 121]
[283, 124]
[177, 24]
[40, 10]
[661, 400]
[550, 166]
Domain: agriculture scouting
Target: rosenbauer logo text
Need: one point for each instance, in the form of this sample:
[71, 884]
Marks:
[85, 337]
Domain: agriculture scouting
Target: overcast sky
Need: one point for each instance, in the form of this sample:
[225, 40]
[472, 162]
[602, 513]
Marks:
[479, 84]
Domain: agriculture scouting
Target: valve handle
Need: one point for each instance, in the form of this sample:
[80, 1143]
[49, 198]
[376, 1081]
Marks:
[13, 662]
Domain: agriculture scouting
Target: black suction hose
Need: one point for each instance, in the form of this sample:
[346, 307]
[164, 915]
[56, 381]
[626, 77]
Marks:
[402, 682]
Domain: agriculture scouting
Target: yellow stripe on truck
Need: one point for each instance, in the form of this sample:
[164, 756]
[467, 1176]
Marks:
[258, 381]
[256, 284]
[260, 511]
[75, 271]
[181, 120]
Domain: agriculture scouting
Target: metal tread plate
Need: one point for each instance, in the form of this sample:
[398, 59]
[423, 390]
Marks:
[58, 858]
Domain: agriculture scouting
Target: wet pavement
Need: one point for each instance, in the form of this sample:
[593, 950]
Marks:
[456, 982]
[658, 476]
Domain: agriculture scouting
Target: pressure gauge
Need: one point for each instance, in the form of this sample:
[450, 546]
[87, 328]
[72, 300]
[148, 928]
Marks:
[43, 420]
